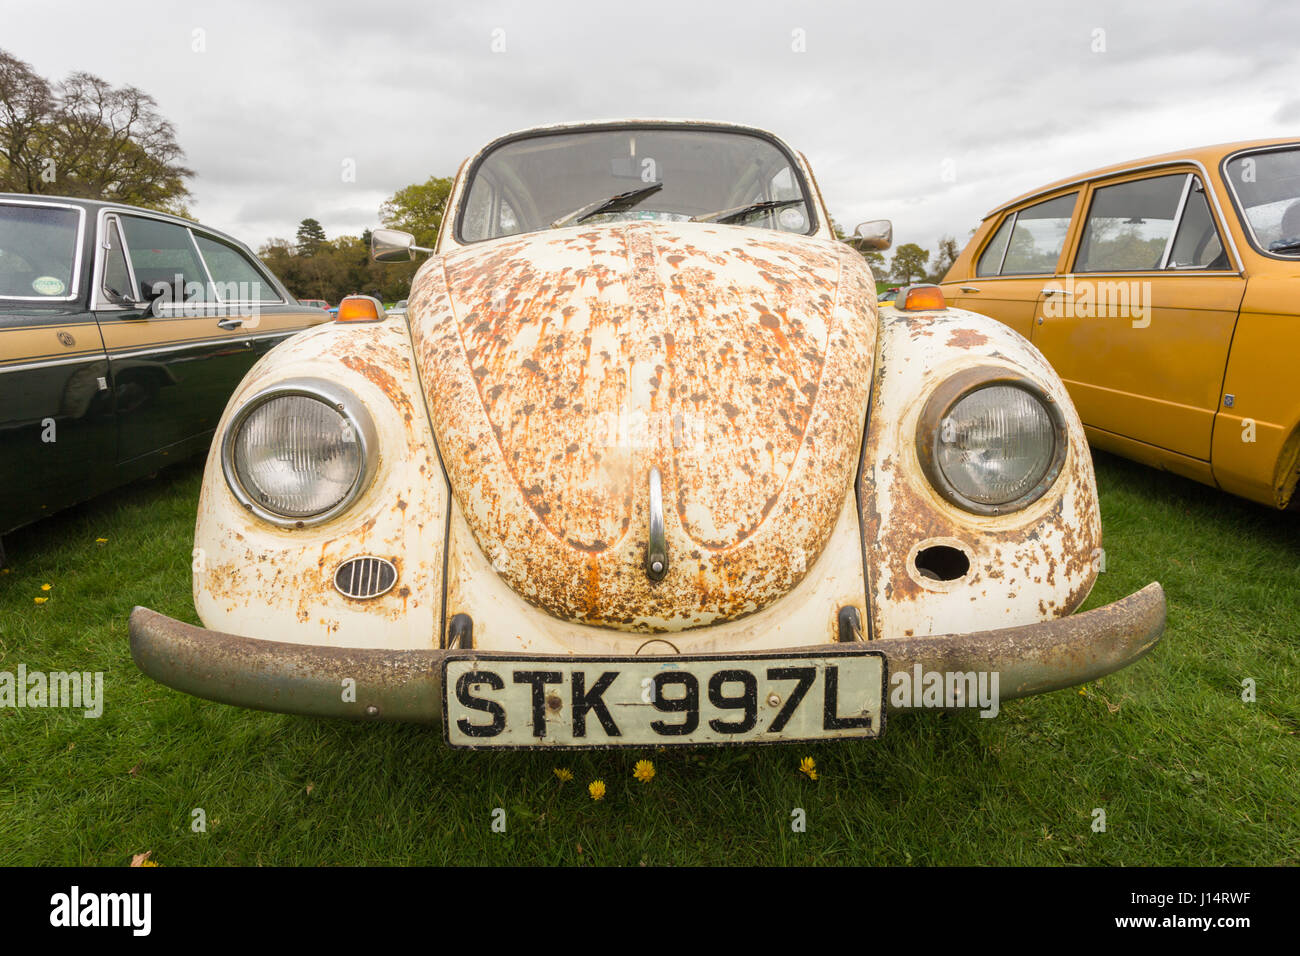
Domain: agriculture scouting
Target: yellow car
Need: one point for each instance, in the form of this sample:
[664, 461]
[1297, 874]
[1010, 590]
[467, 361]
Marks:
[1166, 294]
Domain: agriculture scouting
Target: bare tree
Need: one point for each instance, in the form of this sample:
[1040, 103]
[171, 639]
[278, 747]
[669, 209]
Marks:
[86, 138]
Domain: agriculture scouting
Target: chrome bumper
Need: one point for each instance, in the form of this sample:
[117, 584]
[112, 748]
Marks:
[406, 684]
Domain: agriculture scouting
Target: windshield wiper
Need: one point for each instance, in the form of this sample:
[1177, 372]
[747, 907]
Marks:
[737, 213]
[1284, 245]
[621, 201]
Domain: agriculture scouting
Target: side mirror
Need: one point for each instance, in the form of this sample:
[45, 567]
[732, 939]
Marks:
[150, 296]
[877, 234]
[393, 245]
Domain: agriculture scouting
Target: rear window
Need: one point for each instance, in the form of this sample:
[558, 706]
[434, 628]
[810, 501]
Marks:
[38, 251]
[236, 278]
[1038, 237]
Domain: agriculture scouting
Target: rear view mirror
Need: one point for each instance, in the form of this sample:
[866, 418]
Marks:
[877, 234]
[393, 245]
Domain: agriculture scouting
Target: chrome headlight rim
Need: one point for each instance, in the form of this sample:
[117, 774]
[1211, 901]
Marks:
[342, 401]
[941, 402]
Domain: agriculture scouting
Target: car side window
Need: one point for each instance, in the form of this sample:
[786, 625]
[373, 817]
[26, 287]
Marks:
[990, 263]
[1197, 244]
[234, 277]
[162, 255]
[116, 281]
[1038, 236]
[1129, 225]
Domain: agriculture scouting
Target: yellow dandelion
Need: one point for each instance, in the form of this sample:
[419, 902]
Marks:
[46, 587]
[150, 863]
[597, 789]
[808, 766]
[40, 600]
[644, 771]
[101, 541]
[563, 774]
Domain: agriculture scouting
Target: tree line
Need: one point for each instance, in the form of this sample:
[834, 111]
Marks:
[84, 138]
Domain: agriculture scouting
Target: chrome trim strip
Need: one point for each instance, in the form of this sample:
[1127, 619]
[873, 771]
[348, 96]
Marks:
[1178, 221]
[96, 356]
[76, 262]
[1015, 217]
[198, 343]
[342, 401]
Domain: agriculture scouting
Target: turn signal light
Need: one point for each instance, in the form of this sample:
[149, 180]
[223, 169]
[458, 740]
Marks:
[360, 308]
[919, 298]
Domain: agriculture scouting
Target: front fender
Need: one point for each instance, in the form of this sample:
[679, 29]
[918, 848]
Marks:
[251, 577]
[1026, 566]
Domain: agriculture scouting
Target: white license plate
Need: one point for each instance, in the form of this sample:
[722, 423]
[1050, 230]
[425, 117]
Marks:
[579, 702]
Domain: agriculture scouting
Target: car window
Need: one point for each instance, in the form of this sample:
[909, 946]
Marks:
[1267, 189]
[526, 184]
[116, 281]
[234, 277]
[38, 251]
[1038, 236]
[1128, 225]
[1197, 244]
[990, 263]
[163, 255]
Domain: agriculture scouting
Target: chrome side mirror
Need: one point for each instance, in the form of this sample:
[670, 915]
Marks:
[877, 234]
[393, 245]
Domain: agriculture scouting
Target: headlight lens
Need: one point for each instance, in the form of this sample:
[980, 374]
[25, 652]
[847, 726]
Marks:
[991, 448]
[294, 455]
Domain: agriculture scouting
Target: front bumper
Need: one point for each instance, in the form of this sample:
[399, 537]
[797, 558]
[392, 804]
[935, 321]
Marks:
[366, 684]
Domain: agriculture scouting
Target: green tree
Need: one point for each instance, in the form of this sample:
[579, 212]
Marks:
[311, 236]
[909, 263]
[418, 209]
[86, 138]
[945, 257]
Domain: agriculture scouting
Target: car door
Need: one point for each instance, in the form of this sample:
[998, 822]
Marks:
[56, 413]
[1012, 268]
[1141, 329]
[174, 367]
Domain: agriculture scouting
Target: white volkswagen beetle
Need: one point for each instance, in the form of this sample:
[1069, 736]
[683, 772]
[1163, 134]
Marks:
[644, 464]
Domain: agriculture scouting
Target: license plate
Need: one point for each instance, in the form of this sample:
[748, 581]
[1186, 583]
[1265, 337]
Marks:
[572, 703]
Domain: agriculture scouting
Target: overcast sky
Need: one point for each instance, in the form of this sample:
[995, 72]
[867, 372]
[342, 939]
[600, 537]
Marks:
[928, 114]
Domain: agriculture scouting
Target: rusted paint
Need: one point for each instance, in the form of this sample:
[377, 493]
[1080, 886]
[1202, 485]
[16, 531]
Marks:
[1025, 566]
[257, 579]
[560, 367]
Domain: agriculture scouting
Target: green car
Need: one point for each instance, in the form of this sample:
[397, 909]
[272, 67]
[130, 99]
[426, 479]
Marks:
[122, 334]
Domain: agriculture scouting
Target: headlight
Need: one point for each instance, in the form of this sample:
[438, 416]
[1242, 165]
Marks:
[299, 452]
[991, 442]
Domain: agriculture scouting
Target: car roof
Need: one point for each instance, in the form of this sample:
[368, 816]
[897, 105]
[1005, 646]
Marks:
[100, 204]
[637, 121]
[1206, 156]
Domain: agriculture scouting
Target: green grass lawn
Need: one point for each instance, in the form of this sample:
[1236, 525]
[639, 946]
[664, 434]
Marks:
[1186, 772]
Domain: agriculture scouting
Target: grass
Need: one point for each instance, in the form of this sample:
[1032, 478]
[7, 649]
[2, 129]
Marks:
[1186, 772]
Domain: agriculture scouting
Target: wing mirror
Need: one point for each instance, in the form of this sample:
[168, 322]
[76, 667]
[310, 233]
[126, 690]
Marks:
[393, 245]
[877, 234]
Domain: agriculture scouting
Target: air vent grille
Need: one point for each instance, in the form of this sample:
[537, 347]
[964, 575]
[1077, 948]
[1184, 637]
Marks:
[365, 577]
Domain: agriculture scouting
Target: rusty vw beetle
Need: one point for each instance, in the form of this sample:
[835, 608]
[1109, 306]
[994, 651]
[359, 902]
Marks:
[645, 463]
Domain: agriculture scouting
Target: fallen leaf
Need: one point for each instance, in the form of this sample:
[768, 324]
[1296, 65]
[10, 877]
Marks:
[140, 859]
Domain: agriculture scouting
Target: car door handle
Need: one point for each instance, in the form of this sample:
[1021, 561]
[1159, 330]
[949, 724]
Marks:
[229, 324]
[969, 289]
[1057, 292]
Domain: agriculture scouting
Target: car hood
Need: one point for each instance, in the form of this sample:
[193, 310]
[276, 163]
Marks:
[561, 367]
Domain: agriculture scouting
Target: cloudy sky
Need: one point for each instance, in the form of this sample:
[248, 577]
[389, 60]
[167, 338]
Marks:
[928, 114]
